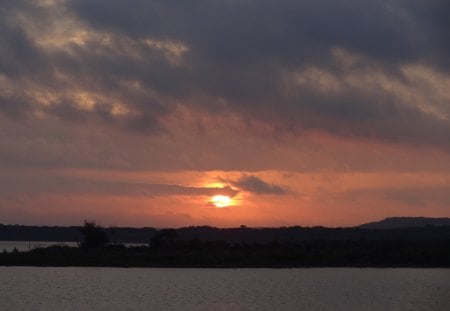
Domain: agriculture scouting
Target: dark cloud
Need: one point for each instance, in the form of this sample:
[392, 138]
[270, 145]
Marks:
[432, 24]
[238, 31]
[242, 57]
[256, 185]
[19, 55]
[78, 186]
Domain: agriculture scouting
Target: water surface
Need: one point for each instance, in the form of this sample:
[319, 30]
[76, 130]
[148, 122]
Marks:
[31, 288]
[29, 245]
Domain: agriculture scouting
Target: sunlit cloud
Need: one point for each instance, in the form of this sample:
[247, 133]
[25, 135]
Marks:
[292, 114]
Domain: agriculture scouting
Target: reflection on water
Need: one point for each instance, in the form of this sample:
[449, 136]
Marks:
[31, 288]
[28, 245]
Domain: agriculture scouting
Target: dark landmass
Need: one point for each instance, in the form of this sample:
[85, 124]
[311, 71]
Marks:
[197, 253]
[406, 222]
[399, 228]
[71, 234]
[248, 247]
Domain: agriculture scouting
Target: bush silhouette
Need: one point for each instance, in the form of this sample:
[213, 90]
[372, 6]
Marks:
[94, 236]
[163, 238]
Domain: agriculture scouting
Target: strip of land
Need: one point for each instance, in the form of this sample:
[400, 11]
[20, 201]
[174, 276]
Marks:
[427, 246]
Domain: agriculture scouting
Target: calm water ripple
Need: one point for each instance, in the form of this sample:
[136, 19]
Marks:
[31, 288]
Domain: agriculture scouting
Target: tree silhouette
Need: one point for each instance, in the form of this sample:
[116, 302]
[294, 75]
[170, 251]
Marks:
[94, 236]
[163, 238]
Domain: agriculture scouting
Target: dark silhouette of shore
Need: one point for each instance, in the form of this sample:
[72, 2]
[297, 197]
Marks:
[399, 228]
[290, 247]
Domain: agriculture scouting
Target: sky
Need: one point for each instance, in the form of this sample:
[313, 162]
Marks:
[171, 113]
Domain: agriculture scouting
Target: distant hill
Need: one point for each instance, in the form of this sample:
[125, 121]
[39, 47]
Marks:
[406, 222]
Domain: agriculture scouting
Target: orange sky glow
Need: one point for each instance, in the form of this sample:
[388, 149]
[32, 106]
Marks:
[229, 113]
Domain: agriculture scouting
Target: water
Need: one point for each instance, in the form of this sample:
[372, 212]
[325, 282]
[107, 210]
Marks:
[27, 245]
[31, 288]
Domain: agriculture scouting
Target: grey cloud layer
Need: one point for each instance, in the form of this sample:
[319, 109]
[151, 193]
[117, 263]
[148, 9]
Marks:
[12, 186]
[410, 196]
[345, 67]
[256, 185]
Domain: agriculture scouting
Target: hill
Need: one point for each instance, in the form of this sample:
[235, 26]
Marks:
[406, 222]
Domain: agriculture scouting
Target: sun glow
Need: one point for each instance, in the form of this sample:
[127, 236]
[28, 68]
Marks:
[221, 201]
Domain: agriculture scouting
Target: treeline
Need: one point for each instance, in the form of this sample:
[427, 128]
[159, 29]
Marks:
[71, 234]
[198, 253]
[230, 235]
[166, 249]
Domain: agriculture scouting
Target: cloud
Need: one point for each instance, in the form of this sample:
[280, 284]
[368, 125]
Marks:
[414, 197]
[44, 185]
[294, 66]
[256, 185]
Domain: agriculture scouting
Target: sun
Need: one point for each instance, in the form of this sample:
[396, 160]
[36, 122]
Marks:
[221, 201]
